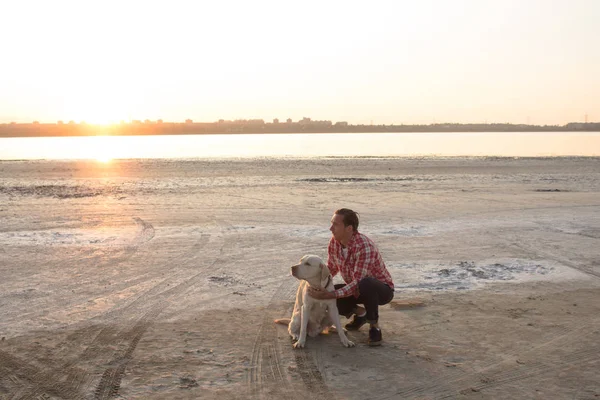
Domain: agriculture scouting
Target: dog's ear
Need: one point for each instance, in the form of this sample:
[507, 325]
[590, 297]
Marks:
[324, 271]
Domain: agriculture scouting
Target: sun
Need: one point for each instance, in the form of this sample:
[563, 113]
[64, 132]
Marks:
[104, 117]
[95, 111]
[104, 159]
[96, 105]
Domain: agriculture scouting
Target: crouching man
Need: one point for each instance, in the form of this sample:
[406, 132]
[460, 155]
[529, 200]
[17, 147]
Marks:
[368, 281]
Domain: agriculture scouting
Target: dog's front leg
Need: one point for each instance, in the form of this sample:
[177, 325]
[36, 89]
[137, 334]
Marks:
[303, 326]
[335, 318]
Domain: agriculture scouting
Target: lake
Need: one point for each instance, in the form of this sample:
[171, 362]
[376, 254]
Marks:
[502, 144]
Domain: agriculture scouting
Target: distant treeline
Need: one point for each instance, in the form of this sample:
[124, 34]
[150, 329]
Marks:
[258, 126]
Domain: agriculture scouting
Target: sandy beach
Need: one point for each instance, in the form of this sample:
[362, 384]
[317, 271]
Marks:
[160, 279]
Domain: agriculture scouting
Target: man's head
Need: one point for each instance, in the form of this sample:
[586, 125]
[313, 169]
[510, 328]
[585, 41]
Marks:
[343, 225]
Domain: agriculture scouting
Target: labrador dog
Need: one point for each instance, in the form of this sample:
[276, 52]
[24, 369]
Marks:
[312, 316]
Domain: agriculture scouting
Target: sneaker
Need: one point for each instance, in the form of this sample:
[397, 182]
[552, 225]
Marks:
[374, 337]
[356, 323]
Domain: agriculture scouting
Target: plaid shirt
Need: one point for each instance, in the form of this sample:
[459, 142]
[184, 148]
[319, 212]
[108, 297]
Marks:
[363, 259]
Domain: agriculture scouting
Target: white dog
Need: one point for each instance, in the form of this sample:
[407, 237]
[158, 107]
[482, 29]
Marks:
[312, 316]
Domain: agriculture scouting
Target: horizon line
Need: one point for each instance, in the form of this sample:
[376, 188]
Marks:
[305, 121]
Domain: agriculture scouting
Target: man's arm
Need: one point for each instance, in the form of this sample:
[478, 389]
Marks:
[320, 294]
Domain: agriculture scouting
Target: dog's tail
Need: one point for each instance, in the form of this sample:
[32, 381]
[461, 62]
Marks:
[283, 321]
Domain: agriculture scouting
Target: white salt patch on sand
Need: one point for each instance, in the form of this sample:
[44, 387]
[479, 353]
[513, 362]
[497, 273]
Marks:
[443, 226]
[466, 275]
[114, 236]
[460, 275]
[317, 232]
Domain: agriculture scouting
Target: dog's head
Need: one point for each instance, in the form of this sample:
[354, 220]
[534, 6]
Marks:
[311, 268]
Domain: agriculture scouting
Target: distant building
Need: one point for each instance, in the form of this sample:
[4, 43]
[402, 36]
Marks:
[575, 125]
[276, 121]
[289, 120]
[189, 121]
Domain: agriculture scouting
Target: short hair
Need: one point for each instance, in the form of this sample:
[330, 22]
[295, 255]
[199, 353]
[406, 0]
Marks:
[350, 217]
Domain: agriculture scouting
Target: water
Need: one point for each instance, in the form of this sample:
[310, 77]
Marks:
[503, 144]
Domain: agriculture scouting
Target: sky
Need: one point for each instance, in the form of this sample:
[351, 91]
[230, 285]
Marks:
[380, 62]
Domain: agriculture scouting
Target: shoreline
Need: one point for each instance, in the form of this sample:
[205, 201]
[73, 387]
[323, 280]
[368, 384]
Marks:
[107, 134]
[299, 158]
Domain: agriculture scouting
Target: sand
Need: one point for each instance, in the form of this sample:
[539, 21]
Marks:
[160, 279]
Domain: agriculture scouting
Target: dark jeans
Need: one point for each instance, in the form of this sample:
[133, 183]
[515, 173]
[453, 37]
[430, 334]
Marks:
[373, 294]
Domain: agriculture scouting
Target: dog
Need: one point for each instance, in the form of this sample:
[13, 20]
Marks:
[312, 316]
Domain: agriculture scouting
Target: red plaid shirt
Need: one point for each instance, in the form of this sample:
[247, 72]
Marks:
[363, 259]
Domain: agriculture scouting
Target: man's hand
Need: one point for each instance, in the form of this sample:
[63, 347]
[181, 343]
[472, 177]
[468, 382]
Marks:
[320, 294]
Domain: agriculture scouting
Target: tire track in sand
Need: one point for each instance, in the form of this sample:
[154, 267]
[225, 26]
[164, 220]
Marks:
[110, 382]
[150, 304]
[21, 372]
[266, 357]
[460, 382]
[266, 371]
[145, 234]
[94, 260]
[528, 370]
[66, 381]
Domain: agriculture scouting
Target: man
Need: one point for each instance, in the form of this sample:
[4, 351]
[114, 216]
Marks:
[368, 282]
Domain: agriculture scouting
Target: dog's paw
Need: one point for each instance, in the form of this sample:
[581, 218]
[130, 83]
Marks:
[299, 344]
[348, 343]
[294, 337]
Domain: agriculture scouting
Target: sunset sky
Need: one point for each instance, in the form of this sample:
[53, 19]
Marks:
[525, 61]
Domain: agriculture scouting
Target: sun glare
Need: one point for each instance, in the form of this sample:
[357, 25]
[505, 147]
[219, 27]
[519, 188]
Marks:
[104, 159]
[97, 104]
[102, 149]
